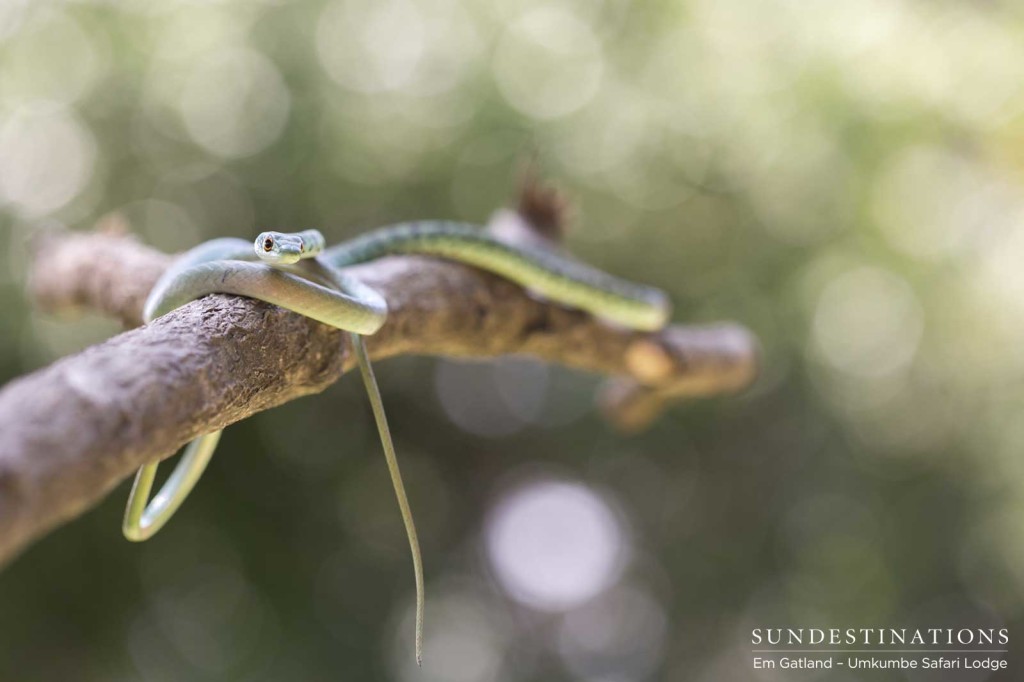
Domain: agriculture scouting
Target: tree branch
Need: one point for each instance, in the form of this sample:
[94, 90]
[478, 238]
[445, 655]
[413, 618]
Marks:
[74, 430]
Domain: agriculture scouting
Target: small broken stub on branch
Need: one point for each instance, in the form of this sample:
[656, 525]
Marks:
[543, 206]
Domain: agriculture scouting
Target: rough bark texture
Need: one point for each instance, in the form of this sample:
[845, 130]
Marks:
[76, 429]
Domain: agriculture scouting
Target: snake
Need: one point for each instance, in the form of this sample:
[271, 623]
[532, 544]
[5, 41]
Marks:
[298, 272]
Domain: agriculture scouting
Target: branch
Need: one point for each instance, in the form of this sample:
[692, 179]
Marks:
[76, 429]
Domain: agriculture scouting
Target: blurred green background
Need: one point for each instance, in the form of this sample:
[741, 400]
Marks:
[842, 177]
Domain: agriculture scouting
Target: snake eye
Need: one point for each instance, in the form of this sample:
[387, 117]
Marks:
[268, 244]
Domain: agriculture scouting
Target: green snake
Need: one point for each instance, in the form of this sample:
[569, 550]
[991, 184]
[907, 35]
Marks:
[296, 271]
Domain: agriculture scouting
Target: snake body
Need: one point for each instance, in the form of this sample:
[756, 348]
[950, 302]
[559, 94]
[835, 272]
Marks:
[296, 272]
[545, 272]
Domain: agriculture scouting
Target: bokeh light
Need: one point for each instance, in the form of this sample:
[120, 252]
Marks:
[867, 322]
[553, 545]
[548, 63]
[235, 103]
[46, 159]
[843, 177]
[619, 635]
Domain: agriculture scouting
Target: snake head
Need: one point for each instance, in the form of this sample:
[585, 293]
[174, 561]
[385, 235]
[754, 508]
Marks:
[278, 247]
